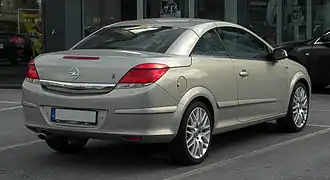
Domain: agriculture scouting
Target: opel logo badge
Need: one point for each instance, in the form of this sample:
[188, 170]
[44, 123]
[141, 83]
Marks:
[74, 73]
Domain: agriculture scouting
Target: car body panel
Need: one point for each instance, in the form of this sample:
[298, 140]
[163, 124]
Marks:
[263, 92]
[124, 111]
[295, 72]
[207, 77]
[110, 68]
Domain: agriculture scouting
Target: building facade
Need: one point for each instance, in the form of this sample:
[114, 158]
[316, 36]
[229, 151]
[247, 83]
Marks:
[275, 20]
[65, 22]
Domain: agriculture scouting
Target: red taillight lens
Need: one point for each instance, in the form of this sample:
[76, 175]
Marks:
[16, 40]
[32, 71]
[145, 74]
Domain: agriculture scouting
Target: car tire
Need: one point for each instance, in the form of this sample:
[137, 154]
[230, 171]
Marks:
[298, 110]
[66, 145]
[193, 141]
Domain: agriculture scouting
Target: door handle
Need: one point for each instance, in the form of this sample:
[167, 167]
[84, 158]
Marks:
[243, 73]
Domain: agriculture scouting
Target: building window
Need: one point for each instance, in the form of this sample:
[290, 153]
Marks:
[165, 8]
[98, 13]
[210, 9]
[294, 20]
[321, 17]
[261, 18]
[20, 38]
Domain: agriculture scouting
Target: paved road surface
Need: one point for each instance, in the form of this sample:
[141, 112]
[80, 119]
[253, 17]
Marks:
[254, 153]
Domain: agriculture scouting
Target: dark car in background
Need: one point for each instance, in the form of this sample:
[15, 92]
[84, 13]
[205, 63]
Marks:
[15, 48]
[314, 54]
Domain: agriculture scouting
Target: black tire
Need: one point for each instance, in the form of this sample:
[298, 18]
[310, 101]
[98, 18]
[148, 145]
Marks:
[287, 123]
[178, 148]
[66, 145]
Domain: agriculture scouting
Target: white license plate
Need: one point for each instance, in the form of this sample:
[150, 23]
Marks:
[73, 116]
[1, 46]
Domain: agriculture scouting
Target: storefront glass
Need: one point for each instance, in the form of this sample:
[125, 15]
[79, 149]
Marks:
[321, 17]
[262, 18]
[98, 13]
[210, 9]
[294, 22]
[165, 8]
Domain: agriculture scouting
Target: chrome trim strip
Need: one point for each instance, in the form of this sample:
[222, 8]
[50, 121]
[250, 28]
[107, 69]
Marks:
[77, 86]
[226, 104]
[257, 101]
[156, 110]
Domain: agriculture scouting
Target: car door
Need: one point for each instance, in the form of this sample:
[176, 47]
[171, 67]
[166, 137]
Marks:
[261, 82]
[214, 70]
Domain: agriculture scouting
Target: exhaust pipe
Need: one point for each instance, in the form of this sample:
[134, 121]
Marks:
[42, 136]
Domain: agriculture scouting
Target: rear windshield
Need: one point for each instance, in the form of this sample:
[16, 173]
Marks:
[135, 38]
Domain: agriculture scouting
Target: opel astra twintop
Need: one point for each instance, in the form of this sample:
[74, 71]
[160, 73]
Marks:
[174, 81]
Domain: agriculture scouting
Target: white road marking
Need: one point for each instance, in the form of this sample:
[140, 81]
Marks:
[319, 125]
[320, 110]
[10, 102]
[19, 145]
[246, 155]
[10, 108]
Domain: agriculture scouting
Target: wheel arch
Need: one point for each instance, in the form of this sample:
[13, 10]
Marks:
[197, 93]
[300, 77]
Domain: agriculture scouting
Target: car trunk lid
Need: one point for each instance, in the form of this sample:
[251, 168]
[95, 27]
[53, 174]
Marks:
[95, 70]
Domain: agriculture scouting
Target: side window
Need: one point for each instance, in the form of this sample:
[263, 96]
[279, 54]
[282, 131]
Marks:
[209, 44]
[240, 43]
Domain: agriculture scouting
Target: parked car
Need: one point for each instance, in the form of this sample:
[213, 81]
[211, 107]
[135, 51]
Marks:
[314, 54]
[175, 81]
[15, 48]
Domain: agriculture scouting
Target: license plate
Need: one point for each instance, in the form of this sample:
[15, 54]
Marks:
[1, 46]
[73, 116]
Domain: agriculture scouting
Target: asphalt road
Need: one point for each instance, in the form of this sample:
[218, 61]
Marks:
[258, 152]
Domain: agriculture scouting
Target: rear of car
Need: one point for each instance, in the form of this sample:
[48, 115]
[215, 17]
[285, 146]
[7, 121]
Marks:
[14, 48]
[106, 86]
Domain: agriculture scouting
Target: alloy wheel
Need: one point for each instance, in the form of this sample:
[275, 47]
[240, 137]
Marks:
[300, 107]
[198, 133]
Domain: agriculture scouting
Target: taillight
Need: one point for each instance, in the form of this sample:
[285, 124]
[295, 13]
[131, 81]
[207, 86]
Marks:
[32, 73]
[81, 57]
[16, 40]
[143, 75]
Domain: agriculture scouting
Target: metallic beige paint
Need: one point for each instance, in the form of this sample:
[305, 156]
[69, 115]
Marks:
[155, 112]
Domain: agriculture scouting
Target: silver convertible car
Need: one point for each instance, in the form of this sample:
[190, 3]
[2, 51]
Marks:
[173, 81]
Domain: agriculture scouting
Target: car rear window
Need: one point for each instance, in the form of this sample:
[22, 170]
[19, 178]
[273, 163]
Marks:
[136, 38]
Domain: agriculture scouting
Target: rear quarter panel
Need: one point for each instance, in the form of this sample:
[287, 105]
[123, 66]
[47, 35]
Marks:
[208, 77]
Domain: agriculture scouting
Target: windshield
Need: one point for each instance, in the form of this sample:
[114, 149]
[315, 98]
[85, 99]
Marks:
[136, 38]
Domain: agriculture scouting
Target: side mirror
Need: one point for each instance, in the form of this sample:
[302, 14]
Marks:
[279, 54]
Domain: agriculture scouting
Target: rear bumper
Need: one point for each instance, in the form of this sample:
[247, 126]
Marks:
[120, 116]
